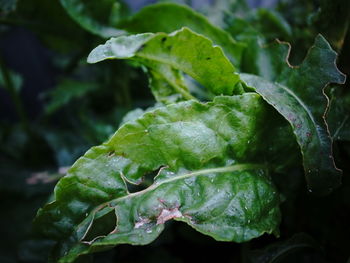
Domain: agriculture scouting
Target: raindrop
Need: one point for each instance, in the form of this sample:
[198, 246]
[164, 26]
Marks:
[148, 231]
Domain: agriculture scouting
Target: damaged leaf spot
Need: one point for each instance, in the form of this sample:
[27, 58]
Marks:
[168, 214]
[143, 221]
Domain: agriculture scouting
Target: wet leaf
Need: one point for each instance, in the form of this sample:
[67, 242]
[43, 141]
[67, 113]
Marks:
[298, 94]
[182, 50]
[206, 174]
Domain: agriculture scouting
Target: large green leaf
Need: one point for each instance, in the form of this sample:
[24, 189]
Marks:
[98, 17]
[298, 94]
[168, 17]
[182, 50]
[209, 174]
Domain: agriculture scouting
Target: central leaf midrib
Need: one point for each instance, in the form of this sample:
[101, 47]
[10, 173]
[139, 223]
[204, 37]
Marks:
[225, 169]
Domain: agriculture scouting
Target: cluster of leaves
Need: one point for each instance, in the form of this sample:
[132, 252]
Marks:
[208, 153]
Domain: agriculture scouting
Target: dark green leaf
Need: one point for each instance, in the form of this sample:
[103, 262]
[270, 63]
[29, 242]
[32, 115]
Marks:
[338, 117]
[299, 96]
[15, 79]
[204, 156]
[332, 20]
[98, 17]
[271, 24]
[66, 91]
[51, 24]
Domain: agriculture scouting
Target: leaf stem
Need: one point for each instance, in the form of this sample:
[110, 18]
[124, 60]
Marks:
[175, 86]
[183, 92]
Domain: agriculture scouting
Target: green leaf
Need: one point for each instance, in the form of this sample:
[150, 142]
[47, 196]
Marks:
[98, 17]
[15, 79]
[51, 23]
[134, 114]
[204, 161]
[66, 91]
[338, 117]
[221, 11]
[267, 61]
[168, 17]
[260, 57]
[271, 24]
[298, 95]
[182, 50]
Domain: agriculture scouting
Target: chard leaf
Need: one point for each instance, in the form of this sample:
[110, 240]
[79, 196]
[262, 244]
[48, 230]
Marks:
[338, 117]
[298, 95]
[97, 17]
[168, 17]
[182, 50]
[260, 57]
[204, 156]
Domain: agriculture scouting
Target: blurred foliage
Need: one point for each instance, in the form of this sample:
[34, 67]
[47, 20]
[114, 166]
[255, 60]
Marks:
[86, 104]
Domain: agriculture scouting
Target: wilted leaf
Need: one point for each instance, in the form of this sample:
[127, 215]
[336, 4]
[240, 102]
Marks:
[207, 176]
